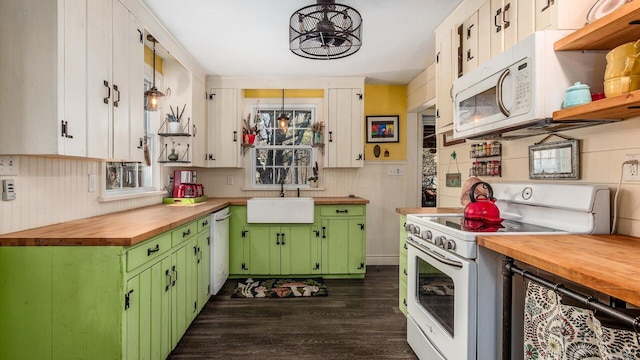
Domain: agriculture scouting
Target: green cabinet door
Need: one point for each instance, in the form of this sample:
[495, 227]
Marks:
[262, 251]
[296, 250]
[238, 241]
[357, 256]
[335, 237]
[132, 315]
[203, 263]
[180, 297]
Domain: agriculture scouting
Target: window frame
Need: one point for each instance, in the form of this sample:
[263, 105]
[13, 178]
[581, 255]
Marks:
[303, 105]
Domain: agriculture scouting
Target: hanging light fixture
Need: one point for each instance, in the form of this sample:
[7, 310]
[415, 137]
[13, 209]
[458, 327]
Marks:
[152, 96]
[325, 31]
[283, 119]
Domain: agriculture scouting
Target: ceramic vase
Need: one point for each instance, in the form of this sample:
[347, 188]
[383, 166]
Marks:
[173, 156]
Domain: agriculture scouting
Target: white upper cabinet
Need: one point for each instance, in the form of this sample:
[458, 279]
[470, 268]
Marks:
[199, 123]
[561, 14]
[345, 125]
[222, 134]
[512, 21]
[43, 67]
[75, 77]
[115, 82]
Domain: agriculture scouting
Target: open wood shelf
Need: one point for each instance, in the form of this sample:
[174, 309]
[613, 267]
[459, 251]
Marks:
[623, 106]
[617, 28]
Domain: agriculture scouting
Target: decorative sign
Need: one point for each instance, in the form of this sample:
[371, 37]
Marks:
[453, 180]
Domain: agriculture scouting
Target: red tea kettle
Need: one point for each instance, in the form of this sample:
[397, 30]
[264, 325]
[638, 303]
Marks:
[482, 207]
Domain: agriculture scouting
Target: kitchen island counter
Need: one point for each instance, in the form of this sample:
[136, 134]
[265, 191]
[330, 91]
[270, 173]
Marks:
[130, 227]
[605, 263]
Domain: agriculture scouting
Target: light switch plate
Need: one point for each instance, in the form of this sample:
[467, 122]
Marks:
[8, 165]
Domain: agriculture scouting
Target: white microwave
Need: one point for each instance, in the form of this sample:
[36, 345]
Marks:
[515, 93]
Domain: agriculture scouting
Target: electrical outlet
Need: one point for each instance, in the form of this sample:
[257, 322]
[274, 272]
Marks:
[92, 182]
[395, 171]
[8, 190]
[229, 180]
[8, 165]
[631, 172]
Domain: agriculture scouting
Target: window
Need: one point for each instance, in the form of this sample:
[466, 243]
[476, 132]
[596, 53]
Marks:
[122, 178]
[283, 155]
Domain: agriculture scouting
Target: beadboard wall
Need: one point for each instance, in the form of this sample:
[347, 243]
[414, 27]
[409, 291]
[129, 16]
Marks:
[602, 151]
[54, 190]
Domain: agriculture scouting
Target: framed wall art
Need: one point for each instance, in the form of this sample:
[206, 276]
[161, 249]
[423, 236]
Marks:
[382, 129]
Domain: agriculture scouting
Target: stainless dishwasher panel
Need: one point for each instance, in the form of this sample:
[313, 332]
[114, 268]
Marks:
[219, 249]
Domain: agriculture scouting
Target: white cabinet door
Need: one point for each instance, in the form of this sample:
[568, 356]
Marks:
[99, 95]
[223, 136]
[470, 43]
[345, 128]
[136, 89]
[199, 124]
[497, 28]
[120, 78]
[446, 64]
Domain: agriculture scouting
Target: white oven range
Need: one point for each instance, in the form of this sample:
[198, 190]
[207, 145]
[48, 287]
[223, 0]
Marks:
[454, 293]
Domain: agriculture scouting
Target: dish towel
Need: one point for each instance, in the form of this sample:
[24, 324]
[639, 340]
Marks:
[557, 331]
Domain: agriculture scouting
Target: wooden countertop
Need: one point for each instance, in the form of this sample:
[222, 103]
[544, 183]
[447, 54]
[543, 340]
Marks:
[126, 228]
[429, 210]
[606, 263]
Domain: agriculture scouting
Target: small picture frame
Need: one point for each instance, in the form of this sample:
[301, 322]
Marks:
[382, 129]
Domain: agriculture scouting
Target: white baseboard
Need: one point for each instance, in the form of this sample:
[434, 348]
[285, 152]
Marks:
[382, 260]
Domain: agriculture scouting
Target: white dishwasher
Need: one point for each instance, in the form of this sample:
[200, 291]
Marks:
[219, 249]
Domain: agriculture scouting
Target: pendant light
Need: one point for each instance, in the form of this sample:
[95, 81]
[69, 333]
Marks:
[325, 31]
[283, 120]
[152, 96]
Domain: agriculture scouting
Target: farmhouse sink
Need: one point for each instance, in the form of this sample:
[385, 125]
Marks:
[280, 210]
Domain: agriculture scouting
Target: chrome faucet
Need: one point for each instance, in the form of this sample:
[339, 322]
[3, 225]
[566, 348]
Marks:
[282, 188]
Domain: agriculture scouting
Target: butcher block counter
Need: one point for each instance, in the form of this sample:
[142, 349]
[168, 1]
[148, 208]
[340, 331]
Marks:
[131, 227]
[605, 263]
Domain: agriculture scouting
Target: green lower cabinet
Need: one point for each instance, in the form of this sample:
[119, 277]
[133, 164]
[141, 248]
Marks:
[403, 273]
[203, 261]
[282, 250]
[238, 241]
[109, 302]
[343, 246]
[333, 246]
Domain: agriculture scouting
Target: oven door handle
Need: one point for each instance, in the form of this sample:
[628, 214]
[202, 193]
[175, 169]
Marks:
[436, 256]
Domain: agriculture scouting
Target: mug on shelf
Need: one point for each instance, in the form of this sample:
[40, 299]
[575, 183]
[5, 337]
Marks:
[621, 85]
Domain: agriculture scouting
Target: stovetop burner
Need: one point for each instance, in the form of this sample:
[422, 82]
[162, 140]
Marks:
[506, 226]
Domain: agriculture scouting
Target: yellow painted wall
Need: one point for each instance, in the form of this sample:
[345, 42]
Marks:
[148, 58]
[387, 100]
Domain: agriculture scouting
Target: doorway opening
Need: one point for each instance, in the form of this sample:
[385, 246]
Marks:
[429, 161]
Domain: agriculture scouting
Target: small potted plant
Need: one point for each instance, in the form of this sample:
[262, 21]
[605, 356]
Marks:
[313, 180]
[248, 131]
[318, 131]
[173, 119]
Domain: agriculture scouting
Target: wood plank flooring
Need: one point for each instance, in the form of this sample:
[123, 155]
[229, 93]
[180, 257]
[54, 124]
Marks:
[360, 319]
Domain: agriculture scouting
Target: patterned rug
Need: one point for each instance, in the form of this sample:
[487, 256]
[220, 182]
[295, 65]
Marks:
[279, 288]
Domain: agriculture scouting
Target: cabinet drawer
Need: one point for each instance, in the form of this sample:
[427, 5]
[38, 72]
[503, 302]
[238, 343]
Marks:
[404, 247]
[342, 210]
[403, 268]
[184, 232]
[148, 250]
[203, 224]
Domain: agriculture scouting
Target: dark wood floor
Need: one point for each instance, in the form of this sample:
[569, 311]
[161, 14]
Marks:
[359, 319]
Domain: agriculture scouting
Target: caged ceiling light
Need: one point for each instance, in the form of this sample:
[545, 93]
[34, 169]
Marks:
[325, 31]
[283, 119]
[152, 96]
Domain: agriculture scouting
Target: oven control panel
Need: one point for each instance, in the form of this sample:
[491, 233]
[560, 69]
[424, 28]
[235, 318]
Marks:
[423, 233]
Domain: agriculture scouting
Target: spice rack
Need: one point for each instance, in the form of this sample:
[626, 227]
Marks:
[488, 159]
